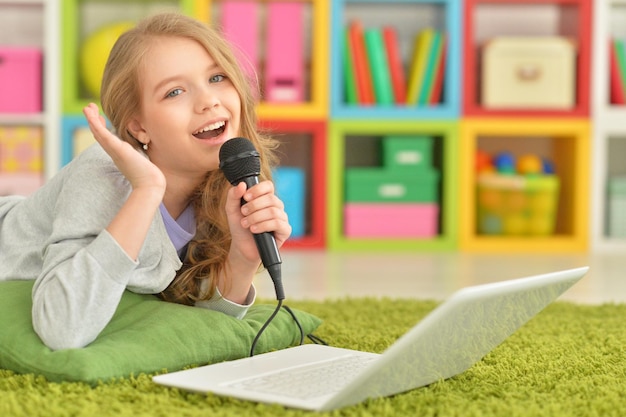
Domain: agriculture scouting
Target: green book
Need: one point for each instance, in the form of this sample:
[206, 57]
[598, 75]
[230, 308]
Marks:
[379, 67]
[434, 54]
[348, 70]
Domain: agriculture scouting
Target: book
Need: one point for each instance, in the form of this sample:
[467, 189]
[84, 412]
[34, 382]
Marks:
[429, 71]
[379, 68]
[421, 48]
[365, 91]
[616, 86]
[396, 66]
[436, 92]
[348, 70]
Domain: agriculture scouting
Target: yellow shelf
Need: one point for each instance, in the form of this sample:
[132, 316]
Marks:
[317, 107]
[568, 142]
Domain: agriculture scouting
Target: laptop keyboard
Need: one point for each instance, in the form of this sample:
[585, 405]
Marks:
[308, 381]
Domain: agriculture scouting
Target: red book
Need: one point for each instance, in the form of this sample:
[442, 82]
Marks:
[365, 89]
[616, 88]
[435, 96]
[396, 68]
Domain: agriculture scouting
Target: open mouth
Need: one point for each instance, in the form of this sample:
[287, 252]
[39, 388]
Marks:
[211, 131]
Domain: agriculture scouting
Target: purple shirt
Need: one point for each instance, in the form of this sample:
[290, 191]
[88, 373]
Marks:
[181, 230]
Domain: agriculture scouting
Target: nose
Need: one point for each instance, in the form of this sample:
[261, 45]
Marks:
[207, 99]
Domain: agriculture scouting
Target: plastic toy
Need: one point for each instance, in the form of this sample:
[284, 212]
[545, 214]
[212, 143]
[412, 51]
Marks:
[483, 162]
[529, 165]
[95, 52]
[504, 163]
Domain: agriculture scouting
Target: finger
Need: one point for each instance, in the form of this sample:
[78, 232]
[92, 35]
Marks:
[265, 220]
[233, 202]
[262, 188]
[280, 228]
[266, 201]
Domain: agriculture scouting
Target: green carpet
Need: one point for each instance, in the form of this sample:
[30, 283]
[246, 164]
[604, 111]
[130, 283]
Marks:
[570, 360]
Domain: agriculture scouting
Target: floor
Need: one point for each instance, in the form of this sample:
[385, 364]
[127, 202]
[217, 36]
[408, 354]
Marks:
[319, 274]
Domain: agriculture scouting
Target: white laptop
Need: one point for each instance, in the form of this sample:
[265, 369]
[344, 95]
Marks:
[448, 341]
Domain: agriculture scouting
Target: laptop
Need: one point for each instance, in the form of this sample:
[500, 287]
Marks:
[449, 340]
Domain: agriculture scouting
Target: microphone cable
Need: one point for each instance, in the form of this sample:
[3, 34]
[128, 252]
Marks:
[315, 339]
[267, 323]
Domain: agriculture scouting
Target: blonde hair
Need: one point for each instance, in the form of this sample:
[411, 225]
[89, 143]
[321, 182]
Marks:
[120, 97]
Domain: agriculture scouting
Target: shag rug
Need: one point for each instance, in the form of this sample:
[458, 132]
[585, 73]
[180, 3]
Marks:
[570, 360]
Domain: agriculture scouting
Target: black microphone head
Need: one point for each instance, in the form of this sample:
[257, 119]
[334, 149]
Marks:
[239, 159]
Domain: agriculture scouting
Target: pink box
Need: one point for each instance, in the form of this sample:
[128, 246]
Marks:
[22, 183]
[284, 64]
[390, 220]
[20, 80]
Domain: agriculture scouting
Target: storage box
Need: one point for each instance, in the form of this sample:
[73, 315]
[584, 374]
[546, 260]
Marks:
[517, 205]
[20, 183]
[21, 149]
[530, 73]
[617, 207]
[290, 186]
[407, 152]
[379, 185]
[20, 80]
[390, 220]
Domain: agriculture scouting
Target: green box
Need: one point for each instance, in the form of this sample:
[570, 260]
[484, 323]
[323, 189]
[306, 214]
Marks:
[380, 185]
[408, 152]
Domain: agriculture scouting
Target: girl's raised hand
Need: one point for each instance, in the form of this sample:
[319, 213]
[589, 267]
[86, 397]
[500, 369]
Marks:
[138, 169]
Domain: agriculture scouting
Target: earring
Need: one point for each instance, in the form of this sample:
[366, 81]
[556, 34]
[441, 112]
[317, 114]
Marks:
[145, 146]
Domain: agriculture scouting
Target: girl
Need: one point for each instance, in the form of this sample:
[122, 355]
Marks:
[150, 213]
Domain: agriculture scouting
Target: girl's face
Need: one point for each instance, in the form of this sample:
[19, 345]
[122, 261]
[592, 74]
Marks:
[189, 108]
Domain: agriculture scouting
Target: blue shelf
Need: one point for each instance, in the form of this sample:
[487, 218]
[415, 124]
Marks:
[451, 24]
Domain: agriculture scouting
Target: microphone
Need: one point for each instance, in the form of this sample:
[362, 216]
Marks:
[240, 162]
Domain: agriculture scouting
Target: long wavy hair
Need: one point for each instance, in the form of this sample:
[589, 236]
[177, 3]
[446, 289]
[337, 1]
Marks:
[120, 97]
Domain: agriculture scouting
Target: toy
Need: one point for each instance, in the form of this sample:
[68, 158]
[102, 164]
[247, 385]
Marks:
[95, 52]
[530, 165]
[504, 163]
[548, 166]
[483, 162]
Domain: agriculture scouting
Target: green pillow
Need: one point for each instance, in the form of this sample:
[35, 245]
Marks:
[146, 335]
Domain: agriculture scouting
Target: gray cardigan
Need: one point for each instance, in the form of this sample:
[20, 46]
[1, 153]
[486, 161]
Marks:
[57, 237]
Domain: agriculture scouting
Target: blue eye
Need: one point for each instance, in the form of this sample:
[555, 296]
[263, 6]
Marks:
[217, 78]
[174, 92]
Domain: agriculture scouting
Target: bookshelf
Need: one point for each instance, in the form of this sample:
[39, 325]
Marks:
[567, 143]
[315, 44]
[83, 18]
[486, 19]
[324, 135]
[303, 146]
[347, 142]
[562, 133]
[31, 24]
[609, 145]
[409, 17]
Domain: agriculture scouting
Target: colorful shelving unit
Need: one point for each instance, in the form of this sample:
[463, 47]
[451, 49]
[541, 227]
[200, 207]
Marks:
[609, 143]
[325, 136]
[29, 117]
